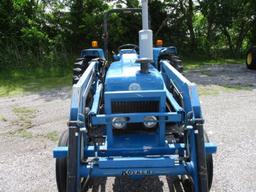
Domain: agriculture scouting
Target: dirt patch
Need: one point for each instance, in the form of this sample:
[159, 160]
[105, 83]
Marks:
[230, 76]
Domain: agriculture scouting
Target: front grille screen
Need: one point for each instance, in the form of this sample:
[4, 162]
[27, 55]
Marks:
[135, 106]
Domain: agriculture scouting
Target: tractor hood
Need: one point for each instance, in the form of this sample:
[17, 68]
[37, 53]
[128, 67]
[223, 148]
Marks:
[125, 75]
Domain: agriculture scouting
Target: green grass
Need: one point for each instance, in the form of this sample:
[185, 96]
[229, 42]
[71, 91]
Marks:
[2, 118]
[23, 133]
[217, 89]
[196, 63]
[19, 82]
[53, 136]
[25, 116]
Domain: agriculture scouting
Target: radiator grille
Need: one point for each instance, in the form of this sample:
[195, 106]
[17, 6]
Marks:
[135, 106]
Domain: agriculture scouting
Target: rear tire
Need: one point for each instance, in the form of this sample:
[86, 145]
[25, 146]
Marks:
[251, 58]
[174, 60]
[79, 68]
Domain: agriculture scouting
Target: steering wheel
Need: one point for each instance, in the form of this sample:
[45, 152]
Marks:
[131, 46]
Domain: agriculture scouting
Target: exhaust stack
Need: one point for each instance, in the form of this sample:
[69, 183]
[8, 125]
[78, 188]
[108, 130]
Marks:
[145, 38]
[145, 35]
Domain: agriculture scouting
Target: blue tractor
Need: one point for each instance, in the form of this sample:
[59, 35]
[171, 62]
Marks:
[137, 117]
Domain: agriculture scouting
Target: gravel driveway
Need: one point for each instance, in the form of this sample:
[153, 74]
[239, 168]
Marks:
[30, 126]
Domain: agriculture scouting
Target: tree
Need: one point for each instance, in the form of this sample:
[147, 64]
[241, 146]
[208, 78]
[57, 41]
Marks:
[230, 18]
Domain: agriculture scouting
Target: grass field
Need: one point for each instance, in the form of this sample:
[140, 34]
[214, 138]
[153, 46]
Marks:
[28, 81]
[20, 82]
[196, 63]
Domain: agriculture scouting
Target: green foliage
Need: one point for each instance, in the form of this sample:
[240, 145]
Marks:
[49, 34]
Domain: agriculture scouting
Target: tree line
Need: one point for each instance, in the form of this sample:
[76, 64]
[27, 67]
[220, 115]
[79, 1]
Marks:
[49, 33]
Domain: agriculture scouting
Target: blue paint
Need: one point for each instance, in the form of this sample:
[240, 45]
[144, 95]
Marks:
[118, 56]
[152, 171]
[93, 53]
[104, 151]
[181, 83]
[124, 82]
[118, 162]
[122, 74]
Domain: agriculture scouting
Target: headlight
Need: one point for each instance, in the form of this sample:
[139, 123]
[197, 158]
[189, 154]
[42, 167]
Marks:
[150, 121]
[119, 122]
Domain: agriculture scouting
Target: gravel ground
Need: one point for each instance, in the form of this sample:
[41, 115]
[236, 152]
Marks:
[30, 126]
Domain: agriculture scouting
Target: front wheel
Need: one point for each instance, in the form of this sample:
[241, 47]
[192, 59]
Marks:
[61, 168]
[209, 164]
[187, 181]
[61, 164]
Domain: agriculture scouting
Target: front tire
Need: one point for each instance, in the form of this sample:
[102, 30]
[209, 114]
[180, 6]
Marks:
[187, 181]
[61, 165]
[61, 169]
[209, 164]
